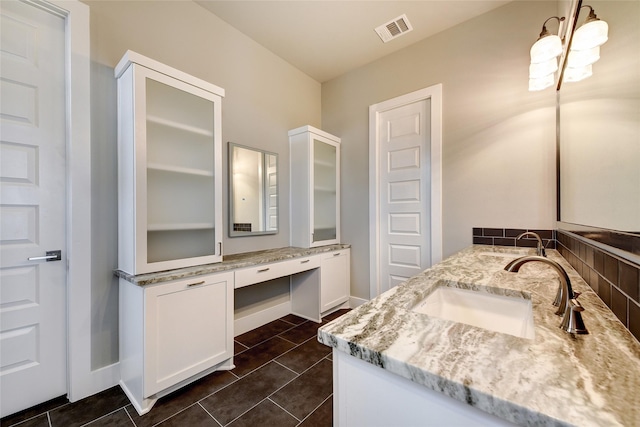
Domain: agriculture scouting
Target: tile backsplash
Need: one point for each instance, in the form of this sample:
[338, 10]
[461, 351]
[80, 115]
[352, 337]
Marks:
[507, 237]
[615, 280]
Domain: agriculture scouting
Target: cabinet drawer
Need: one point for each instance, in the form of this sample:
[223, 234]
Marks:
[261, 273]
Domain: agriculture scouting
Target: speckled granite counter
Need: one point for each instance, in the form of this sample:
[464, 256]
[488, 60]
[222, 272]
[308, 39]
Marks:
[554, 379]
[229, 262]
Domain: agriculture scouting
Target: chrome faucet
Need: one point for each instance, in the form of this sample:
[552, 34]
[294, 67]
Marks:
[566, 300]
[540, 249]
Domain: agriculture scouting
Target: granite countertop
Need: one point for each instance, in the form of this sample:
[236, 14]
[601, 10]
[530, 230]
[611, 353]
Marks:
[229, 262]
[555, 378]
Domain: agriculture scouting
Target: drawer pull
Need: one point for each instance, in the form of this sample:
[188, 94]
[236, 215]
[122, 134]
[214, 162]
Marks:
[305, 261]
[338, 254]
[263, 270]
[195, 284]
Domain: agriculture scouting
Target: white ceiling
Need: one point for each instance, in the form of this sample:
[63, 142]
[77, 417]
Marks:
[327, 38]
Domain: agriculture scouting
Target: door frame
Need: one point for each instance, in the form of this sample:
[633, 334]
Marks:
[82, 381]
[434, 93]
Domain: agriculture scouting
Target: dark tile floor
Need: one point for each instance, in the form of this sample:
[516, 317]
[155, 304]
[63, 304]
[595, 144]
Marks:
[283, 377]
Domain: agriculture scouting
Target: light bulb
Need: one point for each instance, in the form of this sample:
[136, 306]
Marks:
[541, 83]
[577, 74]
[543, 69]
[581, 58]
[546, 48]
[592, 34]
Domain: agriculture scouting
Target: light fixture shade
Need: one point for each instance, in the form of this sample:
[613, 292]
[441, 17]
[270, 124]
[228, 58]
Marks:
[546, 48]
[577, 74]
[582, 58]
[541, 83]
[543, 69]
[592, 34]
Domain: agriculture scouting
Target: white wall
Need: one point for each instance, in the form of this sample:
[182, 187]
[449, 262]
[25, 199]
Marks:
[265, 97]
[498, 138]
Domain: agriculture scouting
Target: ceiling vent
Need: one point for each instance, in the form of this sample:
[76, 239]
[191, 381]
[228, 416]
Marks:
[394, 28]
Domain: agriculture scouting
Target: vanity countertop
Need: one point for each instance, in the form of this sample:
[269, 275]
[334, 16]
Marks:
[229, 262]
[554, 379]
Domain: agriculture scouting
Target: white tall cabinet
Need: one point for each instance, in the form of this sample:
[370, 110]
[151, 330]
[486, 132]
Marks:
[169, 167]
[169, 217]
[315, 187]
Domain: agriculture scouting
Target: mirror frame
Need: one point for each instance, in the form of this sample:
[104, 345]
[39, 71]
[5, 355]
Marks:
[231, 204]
[625, 245]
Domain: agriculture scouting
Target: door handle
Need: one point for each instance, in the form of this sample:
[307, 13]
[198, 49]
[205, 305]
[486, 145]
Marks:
[50, 256]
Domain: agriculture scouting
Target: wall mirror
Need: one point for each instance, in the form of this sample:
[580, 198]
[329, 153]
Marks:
[599, 136]
[253, 191]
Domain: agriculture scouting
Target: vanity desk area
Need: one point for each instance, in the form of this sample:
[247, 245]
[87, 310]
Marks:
[178, 325]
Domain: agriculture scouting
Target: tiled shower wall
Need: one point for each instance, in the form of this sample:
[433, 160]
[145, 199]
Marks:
[615, 280]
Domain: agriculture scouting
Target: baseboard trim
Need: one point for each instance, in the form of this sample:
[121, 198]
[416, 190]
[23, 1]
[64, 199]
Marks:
[356, 302]
[255, 320]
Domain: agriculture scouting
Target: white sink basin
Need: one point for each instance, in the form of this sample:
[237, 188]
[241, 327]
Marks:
[499, 313]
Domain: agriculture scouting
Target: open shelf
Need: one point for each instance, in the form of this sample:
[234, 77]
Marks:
[324, 163]
[181, 226]
[177, 125]
[179, 169]
[325, 189]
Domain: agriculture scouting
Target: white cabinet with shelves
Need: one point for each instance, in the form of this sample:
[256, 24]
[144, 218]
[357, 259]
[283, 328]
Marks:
[335, 279]
[169, 167]
[315, 187]
[173, 333]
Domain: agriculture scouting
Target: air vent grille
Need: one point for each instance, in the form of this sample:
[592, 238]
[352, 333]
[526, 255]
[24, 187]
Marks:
[394, 28]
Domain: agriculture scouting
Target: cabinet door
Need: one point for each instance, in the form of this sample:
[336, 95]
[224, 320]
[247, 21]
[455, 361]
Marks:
[335, 278]
[178, 170]
[326, 192]
[189, 328]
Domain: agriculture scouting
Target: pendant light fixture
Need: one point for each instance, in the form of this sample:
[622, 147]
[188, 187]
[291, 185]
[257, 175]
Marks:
[585, 47]
[544, 58]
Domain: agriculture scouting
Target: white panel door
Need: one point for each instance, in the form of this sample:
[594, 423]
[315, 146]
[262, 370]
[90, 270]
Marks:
[32, 207]
[404, 146]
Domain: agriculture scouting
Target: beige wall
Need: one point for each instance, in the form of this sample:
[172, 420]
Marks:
[498, 146]
[265, 97]
[498, 138]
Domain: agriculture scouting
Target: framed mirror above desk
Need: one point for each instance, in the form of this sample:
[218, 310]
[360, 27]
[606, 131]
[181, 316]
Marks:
[253, 191]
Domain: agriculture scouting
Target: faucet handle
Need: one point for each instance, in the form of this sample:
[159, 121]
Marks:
[575, 304]
[572, 320]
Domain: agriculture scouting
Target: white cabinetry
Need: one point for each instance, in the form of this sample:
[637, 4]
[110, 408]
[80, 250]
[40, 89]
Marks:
[367, 395]
[172, 333]
[334, 279]
[315, 187]
[169, 167]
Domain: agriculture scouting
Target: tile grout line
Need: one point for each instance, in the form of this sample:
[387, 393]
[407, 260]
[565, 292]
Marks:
[103, 416]
[208, 413]
[129, 415]
[286, 330]
[276, 403]
[278, 389]
[176, 413]
[317, 407]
